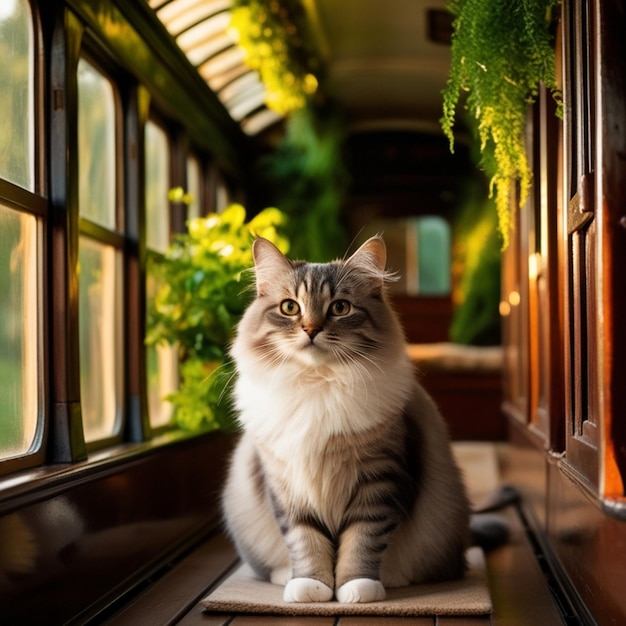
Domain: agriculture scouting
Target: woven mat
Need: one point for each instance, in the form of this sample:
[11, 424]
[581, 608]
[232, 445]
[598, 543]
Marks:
[242, 593]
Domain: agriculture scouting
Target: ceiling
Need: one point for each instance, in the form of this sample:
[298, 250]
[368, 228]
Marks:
[385, 62]
[381, 63]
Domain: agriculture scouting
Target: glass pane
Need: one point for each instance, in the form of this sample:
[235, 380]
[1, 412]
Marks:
[222, 197]
[96, 146]
[16, 94]
[163, 376]
[193, 187]
[433, 249]
[100, 315]
[19, 387]
[157, 186]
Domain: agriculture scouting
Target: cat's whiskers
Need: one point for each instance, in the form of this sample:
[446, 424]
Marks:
[353, 368]
[274, 359]
[360, 352]
[226, 386]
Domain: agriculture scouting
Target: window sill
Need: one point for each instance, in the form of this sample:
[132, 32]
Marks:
[17, 490]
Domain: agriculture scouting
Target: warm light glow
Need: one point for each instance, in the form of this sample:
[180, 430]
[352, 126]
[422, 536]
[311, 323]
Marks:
[514, 298]
[505, 308]
[534, 265]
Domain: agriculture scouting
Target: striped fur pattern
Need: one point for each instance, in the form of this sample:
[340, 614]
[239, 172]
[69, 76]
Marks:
[343, 481]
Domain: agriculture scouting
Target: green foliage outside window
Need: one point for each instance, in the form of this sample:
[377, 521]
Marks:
[501, 53]
[205, 286]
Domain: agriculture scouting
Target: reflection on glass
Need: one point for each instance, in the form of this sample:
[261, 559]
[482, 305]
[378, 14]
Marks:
[17, 121]
[96, 146]
[101, 365]
[19, 389]
[157, 187]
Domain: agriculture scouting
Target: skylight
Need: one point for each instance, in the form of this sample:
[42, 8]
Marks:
[201, 30]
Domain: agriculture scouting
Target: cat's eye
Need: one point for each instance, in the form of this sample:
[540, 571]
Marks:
[340, 307]
[289, 307]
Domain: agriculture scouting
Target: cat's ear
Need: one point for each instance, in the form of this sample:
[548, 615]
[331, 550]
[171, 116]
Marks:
[372, 254]
[371, 259]
[269, 263]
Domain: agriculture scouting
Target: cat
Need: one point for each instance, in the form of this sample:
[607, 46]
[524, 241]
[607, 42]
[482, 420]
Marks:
[343, 481]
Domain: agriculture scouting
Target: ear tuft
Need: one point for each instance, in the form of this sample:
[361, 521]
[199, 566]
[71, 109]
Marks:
[269, 262]
[372, 254]
[370, 260]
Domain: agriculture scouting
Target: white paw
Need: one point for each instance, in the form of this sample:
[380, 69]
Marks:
[307, 590]
[281, 575]
[361, 590]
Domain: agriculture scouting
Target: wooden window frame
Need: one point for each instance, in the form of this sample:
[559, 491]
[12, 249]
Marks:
[35, 203]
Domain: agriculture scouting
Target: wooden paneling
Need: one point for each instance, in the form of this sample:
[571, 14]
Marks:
[424, 319]
[93, 531]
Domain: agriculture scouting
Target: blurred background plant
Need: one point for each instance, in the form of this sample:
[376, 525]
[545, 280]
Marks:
[276, 39]
[476, 265]
[306, 176]
[204, 287]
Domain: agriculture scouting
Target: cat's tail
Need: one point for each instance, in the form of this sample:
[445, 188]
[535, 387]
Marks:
[488, 529]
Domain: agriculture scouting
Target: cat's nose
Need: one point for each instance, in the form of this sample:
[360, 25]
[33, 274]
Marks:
[311, 330]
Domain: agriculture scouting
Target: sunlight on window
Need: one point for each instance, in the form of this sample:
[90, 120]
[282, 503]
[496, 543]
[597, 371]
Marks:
[100, 322]
[163, 374]
[157, 186]
[17, 163]
[100, 264]
[96, 137]
[193, 187]
[19, 357]
[162, 360]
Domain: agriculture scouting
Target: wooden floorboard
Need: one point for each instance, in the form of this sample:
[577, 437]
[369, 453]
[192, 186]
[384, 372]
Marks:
[168, 600]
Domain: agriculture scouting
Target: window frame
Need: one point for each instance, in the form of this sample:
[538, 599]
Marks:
[102, 235]
[175, 220]
[36, 204]
[581, 336]
[62, 33]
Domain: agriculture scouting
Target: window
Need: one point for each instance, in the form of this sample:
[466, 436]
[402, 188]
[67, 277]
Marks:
[162, 360]
[99, 257]
[19, 306]
[194, 187]
[433, 255]
[418, 248]
[21, 230]
[17, 163]
[157, 187]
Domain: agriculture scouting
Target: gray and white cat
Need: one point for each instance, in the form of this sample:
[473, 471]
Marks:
[343, 482]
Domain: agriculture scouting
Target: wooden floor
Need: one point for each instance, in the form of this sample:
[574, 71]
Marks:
[521, 595]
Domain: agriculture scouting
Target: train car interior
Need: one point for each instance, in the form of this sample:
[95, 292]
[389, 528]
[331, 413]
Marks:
[145, 143]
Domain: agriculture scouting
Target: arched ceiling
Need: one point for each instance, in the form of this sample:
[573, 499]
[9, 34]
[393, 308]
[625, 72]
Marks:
[385, 62]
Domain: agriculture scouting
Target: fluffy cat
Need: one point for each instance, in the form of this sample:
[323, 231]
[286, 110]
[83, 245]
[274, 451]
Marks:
[343, 482]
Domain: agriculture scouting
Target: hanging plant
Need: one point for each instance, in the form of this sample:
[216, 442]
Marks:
[276, 42]
[501, 53]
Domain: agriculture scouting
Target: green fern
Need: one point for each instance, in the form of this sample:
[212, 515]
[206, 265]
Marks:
[502, 50]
